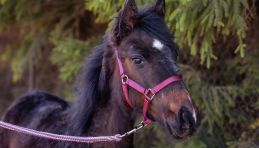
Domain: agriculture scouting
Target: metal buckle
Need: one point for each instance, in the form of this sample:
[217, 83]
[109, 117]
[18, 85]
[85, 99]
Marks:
[124, 79]
[149, 94]
[134, 130]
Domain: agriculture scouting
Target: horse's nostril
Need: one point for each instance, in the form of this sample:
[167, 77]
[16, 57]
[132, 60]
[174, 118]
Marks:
[186, 119]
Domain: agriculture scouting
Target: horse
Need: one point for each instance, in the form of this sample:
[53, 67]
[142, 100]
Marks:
[138, 44]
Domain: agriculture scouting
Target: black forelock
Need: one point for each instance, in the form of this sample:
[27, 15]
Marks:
[155, 26]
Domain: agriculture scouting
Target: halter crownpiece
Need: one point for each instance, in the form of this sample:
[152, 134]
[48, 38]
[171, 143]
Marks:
[149, 93]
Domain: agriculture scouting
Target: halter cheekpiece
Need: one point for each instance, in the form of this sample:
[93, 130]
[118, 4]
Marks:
[149, 93]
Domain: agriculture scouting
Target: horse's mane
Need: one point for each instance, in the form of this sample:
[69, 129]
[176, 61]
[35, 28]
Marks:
[88, 92]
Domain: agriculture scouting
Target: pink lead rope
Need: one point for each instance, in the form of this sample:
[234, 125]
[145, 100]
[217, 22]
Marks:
[68, 138]
[148, 93]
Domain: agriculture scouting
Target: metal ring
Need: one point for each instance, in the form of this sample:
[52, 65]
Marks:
[124, 79]
[152, 95]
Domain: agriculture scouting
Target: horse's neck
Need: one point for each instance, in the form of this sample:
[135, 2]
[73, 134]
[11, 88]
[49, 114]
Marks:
[111, 120]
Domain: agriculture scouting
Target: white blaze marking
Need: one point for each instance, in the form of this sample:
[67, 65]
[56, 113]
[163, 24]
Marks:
[157, 44]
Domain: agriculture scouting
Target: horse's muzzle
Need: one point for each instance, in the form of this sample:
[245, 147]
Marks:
[182, 126]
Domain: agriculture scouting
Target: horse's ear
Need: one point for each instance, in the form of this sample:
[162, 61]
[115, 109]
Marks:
[126, 21]
[159, 8]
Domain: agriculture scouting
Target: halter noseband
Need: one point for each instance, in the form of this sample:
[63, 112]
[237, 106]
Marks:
[149, 93]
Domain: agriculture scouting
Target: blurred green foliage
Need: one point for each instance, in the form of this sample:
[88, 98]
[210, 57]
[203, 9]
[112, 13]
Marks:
[65, 49]
[219, 61]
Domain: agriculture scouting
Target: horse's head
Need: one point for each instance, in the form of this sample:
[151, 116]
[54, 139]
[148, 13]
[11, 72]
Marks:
[149, 57]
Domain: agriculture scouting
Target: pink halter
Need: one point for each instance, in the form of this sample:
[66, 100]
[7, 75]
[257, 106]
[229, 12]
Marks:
[149, 93]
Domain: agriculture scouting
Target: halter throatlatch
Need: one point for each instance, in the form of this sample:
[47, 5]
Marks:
[149, 93]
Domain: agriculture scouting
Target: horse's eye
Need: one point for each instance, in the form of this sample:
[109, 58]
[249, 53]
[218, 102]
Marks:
[137, 61]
